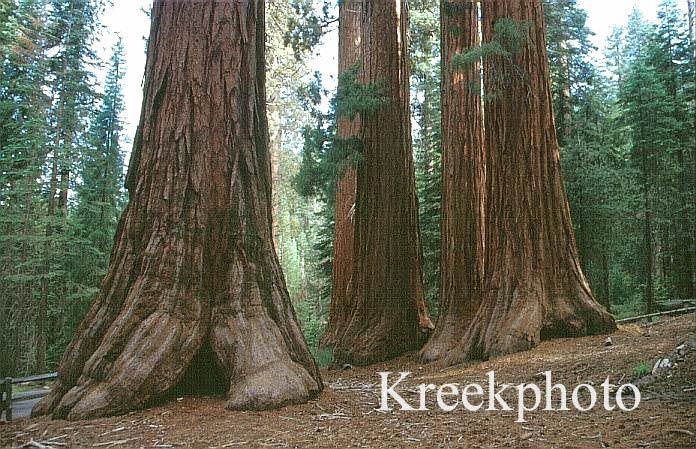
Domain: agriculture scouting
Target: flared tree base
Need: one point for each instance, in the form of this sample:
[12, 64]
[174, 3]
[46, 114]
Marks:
[272, 380]
[365, 344]
[516, 318]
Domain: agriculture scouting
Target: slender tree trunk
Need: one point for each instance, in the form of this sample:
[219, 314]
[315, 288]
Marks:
[47, 246]
[664, 249]
[349, 54]
[389, 315]
[648, 253]
[194, 286]
[684, 264]
[681, 238]
[463, 176]
[64, 182]
[534, 288]
[605, 281]
[45, 283]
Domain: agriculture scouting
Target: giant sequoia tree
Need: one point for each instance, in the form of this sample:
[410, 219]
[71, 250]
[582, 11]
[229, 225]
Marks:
[194, 286]
[388, 312]
[533, 286]
[349, 54]
[462, 179]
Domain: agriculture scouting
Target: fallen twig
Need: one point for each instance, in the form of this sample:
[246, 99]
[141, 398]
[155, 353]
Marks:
[118, 429]
[236, 443]
[34, 445]
[58, 437]
[681, 431]
[115, 442]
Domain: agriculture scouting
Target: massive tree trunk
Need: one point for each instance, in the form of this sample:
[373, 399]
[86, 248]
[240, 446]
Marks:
[534, 288]
[349, 54]
[194, 286]
[389, 315]
[462, 181]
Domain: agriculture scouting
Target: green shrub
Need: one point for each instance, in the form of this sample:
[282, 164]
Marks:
[323, 356]
[641, 370]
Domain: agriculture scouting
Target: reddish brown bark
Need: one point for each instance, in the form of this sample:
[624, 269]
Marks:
[194, 283]
[349, 54]
[462, 181]
[389, 315]
[533, 286]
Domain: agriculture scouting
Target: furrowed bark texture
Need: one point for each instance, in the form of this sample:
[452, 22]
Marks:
[389, 314]
[193, 268]
[349, 54]
[462, 181]
[533, 286]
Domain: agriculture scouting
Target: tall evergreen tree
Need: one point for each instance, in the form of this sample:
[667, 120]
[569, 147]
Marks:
[23, 140]
[7, 9]
[350, 48]
[568, 45]
[598, 181]
[389, 315]
[671, 59]
[649, 113]
[100, 193]
[425, 100]
[71, 29]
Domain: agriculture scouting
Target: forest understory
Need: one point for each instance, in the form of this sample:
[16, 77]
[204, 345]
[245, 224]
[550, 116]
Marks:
[344, 414]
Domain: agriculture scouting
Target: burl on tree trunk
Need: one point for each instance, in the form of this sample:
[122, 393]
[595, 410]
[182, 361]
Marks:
[389, 315]
[194, 282]
[532, 287]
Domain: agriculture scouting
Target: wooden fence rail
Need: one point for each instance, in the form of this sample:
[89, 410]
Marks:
[6, 396]
[683, 311]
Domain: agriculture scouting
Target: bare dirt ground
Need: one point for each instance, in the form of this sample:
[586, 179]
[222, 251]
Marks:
[344, 414]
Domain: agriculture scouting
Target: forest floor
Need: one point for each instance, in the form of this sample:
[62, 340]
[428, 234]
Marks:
[344, 414]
